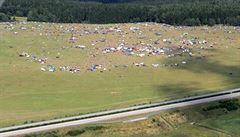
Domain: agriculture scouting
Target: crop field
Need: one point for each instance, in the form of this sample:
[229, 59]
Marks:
[56, 70]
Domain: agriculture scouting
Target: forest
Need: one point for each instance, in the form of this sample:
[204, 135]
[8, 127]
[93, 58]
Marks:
[174, 12]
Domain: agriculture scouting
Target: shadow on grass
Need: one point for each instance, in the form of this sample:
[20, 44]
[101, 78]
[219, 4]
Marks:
[198, 65]
[178, 90]
[201, 64]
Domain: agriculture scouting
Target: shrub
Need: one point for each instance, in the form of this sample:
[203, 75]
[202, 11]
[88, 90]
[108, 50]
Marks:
[75, 132]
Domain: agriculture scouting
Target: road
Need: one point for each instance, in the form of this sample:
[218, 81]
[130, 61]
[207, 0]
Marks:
[115, 114]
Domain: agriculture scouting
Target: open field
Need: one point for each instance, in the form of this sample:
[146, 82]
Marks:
[188, 122]
[31, 94]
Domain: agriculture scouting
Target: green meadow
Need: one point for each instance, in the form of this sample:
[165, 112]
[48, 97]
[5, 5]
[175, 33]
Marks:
[28, 94]
[188, 122]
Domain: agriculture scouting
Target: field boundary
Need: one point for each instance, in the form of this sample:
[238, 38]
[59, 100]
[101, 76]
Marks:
[118, 111]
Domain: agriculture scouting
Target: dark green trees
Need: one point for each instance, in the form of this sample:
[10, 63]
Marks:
[4, 17]
[174, 12]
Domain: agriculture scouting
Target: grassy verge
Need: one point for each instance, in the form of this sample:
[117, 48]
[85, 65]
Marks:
[188, 122]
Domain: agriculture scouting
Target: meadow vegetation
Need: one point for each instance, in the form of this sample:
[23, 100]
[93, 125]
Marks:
[28, 93]
[188, 122]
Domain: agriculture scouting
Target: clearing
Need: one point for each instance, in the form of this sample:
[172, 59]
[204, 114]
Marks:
[52, 70]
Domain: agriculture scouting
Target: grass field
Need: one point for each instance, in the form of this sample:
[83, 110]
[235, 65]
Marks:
[188, 122]
[29, 94]
[228, 123]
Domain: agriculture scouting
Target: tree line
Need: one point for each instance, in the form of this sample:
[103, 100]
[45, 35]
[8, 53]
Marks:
[174, 12]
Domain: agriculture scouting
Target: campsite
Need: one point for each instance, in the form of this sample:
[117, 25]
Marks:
[54, 70]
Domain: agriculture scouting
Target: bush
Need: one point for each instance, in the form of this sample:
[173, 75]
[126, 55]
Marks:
[95, 128]
[4, 17]
[51, 134]
[211, 22]
[229, 105]
[75, 132]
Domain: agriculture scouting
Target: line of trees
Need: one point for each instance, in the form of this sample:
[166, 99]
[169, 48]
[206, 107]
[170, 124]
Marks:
[229, 105]
[174, 12]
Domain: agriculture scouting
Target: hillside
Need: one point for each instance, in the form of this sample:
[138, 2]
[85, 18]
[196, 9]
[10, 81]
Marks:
[52, 70]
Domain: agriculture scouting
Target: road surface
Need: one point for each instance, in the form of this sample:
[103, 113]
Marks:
[115, 114]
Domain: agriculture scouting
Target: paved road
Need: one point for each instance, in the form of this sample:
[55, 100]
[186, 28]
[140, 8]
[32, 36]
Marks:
[175, 104]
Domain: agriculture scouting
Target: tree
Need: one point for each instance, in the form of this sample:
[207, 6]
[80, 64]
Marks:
[174, 12]
[189, 22]
[4, 17]
[32, 15]
[211, 22]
